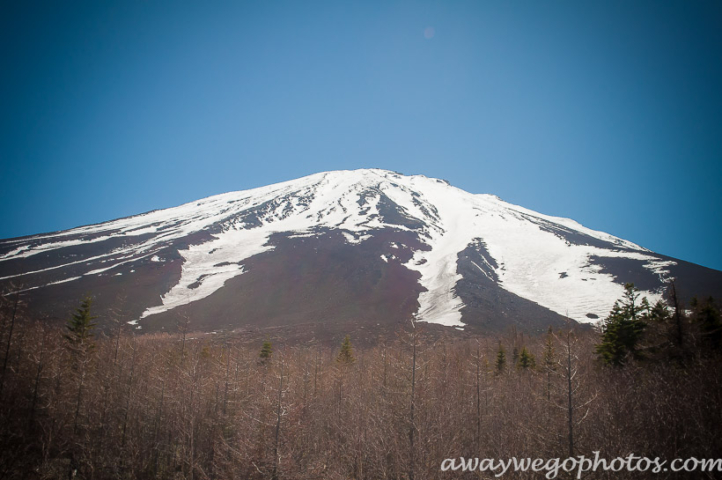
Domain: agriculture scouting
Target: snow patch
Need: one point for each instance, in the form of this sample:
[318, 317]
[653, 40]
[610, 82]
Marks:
[353, 240]
[200, 275]
[301, 235]
[64, 281]
[28, 250]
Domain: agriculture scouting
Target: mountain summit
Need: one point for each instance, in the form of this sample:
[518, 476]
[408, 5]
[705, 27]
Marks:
[365, 246]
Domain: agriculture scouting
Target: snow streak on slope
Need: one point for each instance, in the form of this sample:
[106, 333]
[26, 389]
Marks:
[530, 259]
[536, 265]
[530, 249]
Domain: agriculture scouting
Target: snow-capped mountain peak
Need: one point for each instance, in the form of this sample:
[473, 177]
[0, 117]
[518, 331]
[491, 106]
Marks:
[452, 241]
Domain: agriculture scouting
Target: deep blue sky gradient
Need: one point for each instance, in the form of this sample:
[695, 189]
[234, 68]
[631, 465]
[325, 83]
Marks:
[608, 112]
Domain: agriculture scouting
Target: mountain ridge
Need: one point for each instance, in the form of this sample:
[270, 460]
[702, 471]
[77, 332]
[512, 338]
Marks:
[436, 237]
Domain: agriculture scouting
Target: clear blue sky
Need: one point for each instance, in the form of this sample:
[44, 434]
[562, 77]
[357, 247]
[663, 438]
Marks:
[608, 112]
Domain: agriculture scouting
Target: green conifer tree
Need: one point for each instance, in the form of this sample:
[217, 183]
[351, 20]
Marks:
[660, 334]
[266, 352]
[79, 337]
[500, 359]
[707, 316]
[623, 329]
[550, 361]
[79, 334]
[526, 360]
[346, 354]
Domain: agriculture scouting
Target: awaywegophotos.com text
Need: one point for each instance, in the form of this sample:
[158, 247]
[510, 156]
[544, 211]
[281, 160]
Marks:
[580, 465]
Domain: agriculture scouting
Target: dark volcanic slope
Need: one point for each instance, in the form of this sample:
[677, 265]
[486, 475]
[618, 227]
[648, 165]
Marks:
[309, 279]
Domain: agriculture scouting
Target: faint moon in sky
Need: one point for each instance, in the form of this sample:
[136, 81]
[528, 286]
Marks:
[429, 32]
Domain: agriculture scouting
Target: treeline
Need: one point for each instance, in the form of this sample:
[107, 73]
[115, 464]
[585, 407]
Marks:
[664, 332]
[75, 403]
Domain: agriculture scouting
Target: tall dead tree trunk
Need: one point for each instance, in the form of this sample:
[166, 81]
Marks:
[225, 393]
[13, 316]
[315, 374]
[570, 374]
[156, 430]
[36, 385]
[412, 426]
[478, 395]
[678, 319]
[129, 395]
[274, 474]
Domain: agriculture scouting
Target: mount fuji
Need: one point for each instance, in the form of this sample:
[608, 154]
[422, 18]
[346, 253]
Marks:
[366, 247]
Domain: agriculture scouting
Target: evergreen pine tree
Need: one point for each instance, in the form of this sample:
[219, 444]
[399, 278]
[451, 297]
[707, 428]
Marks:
[660, 312]
[266, 352]
[500, 359]
[79, 328]
[346, 353]
[79, 335]
[622, 330]
[708, 318]
[550, 361]
[661, 333]
[526, 360]
[678, 320]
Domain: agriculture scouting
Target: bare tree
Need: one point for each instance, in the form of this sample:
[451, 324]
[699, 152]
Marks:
[15, 304]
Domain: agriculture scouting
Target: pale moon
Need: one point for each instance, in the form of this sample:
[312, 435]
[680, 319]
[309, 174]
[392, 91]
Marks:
[429, 32]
